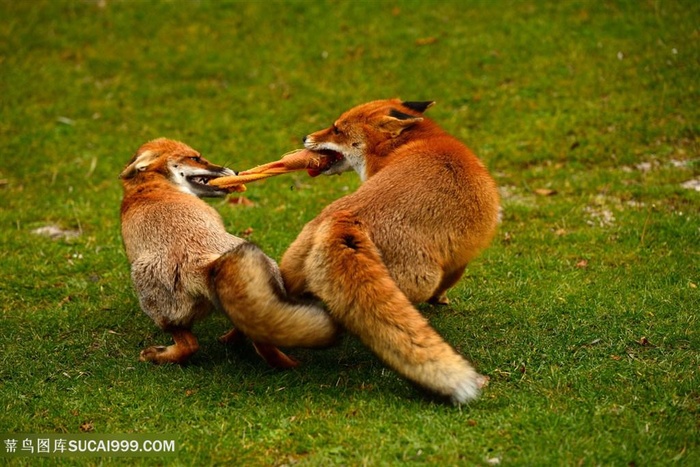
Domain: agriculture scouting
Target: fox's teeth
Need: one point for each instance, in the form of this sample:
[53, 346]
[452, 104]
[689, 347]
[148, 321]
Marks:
[200, 180]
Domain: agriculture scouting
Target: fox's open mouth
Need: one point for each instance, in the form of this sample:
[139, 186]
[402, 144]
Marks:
[330, 158]
[203, 179]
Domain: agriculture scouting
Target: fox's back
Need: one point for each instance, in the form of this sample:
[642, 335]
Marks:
[433, 204]
[175, 226]
[431, 189]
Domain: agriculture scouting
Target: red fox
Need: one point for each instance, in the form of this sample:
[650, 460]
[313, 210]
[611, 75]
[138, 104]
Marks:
[426, 208]
[184, 264]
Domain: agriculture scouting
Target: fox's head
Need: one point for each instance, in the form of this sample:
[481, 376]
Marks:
[371, 129]
[181, 165]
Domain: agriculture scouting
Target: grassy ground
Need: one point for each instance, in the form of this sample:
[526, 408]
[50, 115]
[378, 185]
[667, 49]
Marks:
[584, 311]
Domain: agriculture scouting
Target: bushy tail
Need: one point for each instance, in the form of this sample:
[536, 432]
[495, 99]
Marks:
[249, 289]
[346, 271]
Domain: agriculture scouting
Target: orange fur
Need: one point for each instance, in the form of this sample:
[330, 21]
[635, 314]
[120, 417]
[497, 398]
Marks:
[184, 264]
[427, 207]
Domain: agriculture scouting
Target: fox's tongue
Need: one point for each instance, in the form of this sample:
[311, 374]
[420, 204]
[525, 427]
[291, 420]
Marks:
[313, 172]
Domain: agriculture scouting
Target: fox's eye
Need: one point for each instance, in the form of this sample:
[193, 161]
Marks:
[336, 130]
[196, 159]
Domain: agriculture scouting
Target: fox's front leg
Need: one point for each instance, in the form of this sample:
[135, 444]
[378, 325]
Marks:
[448, 281]
[185, 345]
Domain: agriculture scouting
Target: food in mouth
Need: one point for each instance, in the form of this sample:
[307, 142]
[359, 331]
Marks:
[314, 162]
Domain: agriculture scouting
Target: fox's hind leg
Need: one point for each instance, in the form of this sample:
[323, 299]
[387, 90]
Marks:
[185, 345]
[271, 354]
[233, 337]
[292, 263]
[345, 269]
[275, 357]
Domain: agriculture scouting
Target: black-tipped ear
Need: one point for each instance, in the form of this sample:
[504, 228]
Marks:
[397, 114]
[418, 106]
[397, 122]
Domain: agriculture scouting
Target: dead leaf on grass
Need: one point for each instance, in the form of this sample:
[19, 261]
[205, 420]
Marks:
[426, 40]
[87, 427]
[583, 264]
[545, 192]
[65, 300]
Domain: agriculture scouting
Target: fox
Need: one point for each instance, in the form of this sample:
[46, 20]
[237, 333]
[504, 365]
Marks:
[185, 265]
[426, 207]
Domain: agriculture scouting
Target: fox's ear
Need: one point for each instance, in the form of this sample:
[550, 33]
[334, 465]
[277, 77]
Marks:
[396, 122]
[421, 106]
[139, 163]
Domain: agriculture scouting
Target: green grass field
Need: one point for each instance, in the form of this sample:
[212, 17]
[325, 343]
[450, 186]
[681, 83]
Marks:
[583, 312]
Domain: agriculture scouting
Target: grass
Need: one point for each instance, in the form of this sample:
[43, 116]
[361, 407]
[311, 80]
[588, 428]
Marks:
[583, 312]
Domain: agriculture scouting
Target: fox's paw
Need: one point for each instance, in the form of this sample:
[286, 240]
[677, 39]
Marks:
[153, 354]
[468, 388]
[171, 354]
[441, 300]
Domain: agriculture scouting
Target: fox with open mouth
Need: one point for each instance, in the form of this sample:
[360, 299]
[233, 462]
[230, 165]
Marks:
[184, 264]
